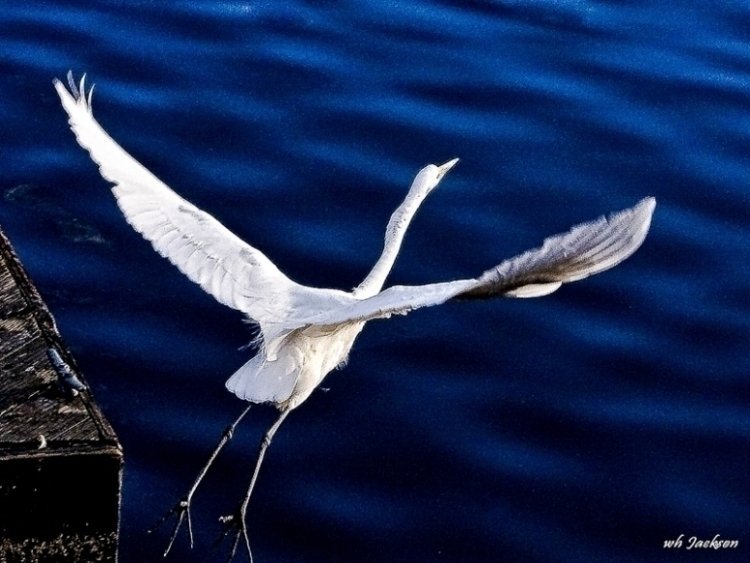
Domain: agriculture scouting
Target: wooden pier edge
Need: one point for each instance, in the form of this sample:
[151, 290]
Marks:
[60, 460]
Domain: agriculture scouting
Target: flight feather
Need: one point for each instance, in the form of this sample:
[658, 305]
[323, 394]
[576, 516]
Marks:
[234, 272]
[586, 249]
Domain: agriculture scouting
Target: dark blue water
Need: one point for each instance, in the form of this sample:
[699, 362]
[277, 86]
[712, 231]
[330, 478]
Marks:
[593, 424]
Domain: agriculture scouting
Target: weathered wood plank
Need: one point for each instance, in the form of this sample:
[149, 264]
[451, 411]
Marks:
[60, 461]
[12, 301]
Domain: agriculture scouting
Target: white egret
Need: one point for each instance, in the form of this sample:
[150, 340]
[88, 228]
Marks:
[305, 332]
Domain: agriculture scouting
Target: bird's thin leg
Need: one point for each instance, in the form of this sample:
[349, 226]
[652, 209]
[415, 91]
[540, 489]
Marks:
[237, 520]
[182, 508]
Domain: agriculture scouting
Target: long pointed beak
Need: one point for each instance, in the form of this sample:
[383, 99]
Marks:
[443, 168]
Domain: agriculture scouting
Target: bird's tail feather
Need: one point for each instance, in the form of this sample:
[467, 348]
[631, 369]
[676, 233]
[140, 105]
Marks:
[262, 381]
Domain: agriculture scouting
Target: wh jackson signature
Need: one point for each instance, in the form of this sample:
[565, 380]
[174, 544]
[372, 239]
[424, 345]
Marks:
[694, 542]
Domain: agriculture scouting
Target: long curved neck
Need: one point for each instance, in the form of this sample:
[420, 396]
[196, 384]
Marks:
[394, 236]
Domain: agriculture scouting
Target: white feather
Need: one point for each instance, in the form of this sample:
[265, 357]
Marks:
[586, 249]
[307, 332]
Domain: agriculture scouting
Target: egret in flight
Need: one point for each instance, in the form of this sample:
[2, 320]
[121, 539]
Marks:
[306, 332]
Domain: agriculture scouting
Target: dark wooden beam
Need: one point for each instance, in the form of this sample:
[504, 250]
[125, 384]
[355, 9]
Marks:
[60, 460]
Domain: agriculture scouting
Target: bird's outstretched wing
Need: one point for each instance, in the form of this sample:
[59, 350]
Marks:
[235, 273]
[586, 249]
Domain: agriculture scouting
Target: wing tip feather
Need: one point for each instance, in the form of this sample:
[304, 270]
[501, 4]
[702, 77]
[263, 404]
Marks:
[74, 96]
[643, 211]
[625, 232]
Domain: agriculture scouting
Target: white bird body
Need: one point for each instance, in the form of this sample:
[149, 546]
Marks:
[304, 358]
[306, 332]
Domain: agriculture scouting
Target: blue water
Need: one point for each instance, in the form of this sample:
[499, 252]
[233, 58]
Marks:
[590, 425]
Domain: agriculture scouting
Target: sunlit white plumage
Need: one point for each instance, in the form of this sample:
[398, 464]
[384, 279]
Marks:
[306, 332]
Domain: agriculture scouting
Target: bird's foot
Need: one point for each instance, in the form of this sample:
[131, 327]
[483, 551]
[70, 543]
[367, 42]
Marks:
[236, 528]
[181, 511]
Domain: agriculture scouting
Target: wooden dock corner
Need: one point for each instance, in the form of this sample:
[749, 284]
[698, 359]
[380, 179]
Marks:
[60, 460]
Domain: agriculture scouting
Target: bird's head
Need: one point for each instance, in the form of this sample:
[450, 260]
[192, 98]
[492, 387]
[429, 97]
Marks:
[429, 177]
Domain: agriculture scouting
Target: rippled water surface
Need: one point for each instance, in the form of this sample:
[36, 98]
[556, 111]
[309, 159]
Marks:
[593, 424]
